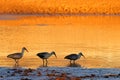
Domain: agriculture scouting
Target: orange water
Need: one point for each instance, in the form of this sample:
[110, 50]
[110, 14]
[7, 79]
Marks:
[96, 36]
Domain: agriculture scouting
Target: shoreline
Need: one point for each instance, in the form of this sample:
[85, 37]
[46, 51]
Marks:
[59, 73]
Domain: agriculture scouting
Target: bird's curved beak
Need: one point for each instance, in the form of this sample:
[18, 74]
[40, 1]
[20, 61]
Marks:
[83, 55]
[26, 50]
[55, 55]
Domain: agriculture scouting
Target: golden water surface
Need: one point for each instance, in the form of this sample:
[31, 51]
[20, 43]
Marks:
[97, 37]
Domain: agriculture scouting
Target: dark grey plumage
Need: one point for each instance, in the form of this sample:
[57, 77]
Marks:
[45, 56]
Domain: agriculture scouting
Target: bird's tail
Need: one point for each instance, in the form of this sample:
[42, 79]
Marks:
[65, 57]
[37, 54]
[9, 56]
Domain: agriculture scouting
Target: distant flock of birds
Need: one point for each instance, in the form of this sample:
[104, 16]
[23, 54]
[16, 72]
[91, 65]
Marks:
[44, 56]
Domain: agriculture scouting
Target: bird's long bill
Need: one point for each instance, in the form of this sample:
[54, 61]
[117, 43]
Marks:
[83, 55]
[55, 55]
[26, 50]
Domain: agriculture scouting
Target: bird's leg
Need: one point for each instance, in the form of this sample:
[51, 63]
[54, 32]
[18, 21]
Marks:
[43, 62]
[74, 61]
[46, 62]
[15, 61]
[70, 61]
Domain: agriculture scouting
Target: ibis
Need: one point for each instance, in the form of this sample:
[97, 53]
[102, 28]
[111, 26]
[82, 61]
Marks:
[45, 56]
[17, 56]
[74, 57]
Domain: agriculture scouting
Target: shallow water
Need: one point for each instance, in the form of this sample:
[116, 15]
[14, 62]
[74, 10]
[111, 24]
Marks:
[97, 37]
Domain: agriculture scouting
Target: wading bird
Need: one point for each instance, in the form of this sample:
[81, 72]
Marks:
[45, 56]
[74, 57]
[17, 56]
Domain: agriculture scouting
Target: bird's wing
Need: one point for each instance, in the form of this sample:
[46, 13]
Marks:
[70, 56]
[14, 55]
[42, 54]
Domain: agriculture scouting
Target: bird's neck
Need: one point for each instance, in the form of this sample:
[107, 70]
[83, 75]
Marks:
[79, 55]
[51, 54]
[22, 52]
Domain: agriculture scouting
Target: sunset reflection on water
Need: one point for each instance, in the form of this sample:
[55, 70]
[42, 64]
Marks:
[96, 36]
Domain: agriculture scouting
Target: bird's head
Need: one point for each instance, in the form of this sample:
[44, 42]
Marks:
[53, 53]
[24, 48]
[81, 54]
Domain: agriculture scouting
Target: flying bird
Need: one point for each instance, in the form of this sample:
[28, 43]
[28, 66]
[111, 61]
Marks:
[17, 56]
[74, 57]
[45, 56]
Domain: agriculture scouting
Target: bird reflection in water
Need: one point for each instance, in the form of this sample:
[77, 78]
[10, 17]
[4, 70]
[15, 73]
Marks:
[45, 65]
[73, 65]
